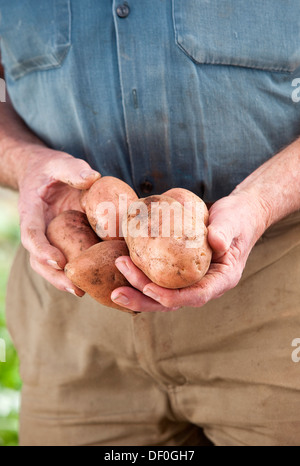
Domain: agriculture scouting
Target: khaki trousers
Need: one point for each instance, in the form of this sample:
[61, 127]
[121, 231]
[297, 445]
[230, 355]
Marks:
[96, 376]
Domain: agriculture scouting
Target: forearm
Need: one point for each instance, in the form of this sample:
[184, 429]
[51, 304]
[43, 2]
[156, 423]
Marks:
[16, 139]
[276, 185]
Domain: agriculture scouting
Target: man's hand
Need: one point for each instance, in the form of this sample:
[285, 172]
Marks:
[236, 223]
[266, 196]
[49, 183]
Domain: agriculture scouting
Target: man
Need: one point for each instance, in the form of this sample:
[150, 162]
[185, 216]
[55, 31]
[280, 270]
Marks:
[182, 93]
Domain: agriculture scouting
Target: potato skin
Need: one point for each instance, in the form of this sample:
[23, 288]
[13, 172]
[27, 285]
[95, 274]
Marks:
[70, 232]
[107, 190]
[186, 197]
[82, 200]
[170, 262]
[94, 271]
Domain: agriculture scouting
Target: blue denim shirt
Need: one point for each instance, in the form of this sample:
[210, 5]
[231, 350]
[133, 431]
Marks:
[160, 93]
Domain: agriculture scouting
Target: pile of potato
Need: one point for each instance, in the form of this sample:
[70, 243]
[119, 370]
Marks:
[92, 240]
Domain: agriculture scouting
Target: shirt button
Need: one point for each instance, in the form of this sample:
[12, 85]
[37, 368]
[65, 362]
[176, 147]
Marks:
[146, 187]
[123, 10]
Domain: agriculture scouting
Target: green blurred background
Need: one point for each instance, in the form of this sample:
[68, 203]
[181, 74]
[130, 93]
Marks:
[10, 383]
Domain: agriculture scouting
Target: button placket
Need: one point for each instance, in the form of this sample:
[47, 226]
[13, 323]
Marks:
[126, 38]
[143, 94]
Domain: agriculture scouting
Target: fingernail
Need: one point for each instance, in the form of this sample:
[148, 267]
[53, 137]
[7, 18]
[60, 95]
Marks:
[88, 174]
[151, 294]
[70, 290]
[54, 264]
[122, 267]
[120, 299]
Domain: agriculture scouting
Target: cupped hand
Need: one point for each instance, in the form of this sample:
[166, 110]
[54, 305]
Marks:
[236, 223]
[49, 184]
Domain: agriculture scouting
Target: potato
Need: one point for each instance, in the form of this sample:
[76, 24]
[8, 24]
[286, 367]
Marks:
[70, 232]
[168, 243]
[188, 199]
[105, 203]
[83, 196]
[94, 271]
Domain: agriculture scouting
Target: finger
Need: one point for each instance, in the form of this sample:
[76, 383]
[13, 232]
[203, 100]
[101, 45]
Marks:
[217, 281]
[132, 273]
[35, 241]
[220, 233]
[223, 227]
[135, 301]
[131, 298]
[74, 172]
[57, 278]
[219, 240]
[33, 238]
[193, 297]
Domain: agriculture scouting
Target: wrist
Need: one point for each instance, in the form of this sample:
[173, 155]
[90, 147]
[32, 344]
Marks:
[274, 186]
[16, 141]
[23, 157]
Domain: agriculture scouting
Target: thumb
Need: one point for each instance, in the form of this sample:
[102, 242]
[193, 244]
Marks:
[220, 236]
[74, 172]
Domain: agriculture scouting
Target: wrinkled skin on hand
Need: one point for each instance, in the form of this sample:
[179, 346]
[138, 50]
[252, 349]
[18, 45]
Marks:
[236, 223]
[50, 184]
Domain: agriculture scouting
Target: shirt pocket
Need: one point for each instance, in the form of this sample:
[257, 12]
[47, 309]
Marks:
[35, 35]
[248, 33]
